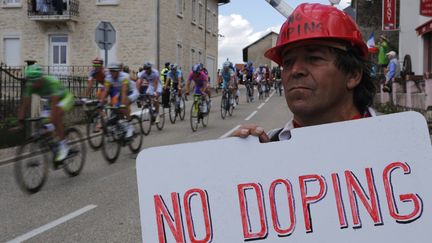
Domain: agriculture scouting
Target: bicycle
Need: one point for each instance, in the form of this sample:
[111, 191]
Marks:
[249, 91]
[227, 103]
[95, 120]
[177, 106]
[33, 156]
[148, 114]
[198, 114]
[114, 134]
[278, 86]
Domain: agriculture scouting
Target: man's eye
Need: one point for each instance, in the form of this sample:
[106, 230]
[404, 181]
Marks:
[314, 58]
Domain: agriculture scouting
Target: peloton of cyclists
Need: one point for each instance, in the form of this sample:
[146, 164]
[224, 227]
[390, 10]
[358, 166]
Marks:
[150, 84]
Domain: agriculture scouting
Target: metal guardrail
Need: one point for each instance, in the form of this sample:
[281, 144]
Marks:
[12, 81]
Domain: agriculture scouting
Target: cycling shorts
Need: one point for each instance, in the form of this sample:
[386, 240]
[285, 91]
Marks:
[151, 90]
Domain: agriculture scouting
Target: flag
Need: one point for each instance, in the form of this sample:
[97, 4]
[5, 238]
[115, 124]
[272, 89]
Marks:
[371, 41]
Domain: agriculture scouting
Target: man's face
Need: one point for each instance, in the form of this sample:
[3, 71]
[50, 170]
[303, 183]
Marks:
[148, 71]
[313, 85]
[114, 74]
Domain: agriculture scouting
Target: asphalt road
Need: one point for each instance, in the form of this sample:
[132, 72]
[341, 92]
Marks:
[101, 204]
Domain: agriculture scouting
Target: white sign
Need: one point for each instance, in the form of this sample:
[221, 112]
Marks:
[366, 180]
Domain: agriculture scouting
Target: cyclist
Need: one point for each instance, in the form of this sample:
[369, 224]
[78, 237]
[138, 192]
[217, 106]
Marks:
[259, 77]
[150, 84]
[200, 79]
[236, 92]
[97, 74]
[228, 80]
[174, 79]
[207, 89]
[165, 90]
[122, 92]
[248, 73]
[60, 100]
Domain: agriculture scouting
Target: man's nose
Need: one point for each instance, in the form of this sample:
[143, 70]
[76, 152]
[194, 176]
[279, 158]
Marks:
[298, 68]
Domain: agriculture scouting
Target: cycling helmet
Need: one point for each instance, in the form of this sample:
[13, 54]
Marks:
[196, 68]
[114, 67]
[97, 62]
[226, 64]
[33, 72]
[173, 66]
[147, 65]
[319, 22]
[249, 63]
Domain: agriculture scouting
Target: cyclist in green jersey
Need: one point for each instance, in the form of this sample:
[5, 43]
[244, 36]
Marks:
[60, 100]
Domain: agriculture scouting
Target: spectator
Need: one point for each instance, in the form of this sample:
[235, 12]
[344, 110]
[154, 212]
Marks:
[393, 71]
[325, 75]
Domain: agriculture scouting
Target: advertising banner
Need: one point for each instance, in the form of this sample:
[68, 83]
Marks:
[426, 8]
[365, 180]
[389, 15]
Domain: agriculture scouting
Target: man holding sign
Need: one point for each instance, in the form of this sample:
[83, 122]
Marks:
[363, 180]
[325, 75]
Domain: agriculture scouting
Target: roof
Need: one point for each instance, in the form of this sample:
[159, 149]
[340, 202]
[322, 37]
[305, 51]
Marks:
[245, 56]
[223, 1]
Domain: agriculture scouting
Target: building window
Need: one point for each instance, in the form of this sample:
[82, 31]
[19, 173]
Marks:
[11, 3]
[208, 21]
[194, 12]
[192, 57]
[107, 2]
[200, 15]
[179, 53]
[215, 24]
[180, 8]
[12, 51]
[200, 57]
[58, 50]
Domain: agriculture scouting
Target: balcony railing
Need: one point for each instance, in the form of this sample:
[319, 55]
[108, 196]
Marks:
[53, 10]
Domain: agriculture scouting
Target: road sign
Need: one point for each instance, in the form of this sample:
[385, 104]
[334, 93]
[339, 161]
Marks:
[105, 35]
[365, 180]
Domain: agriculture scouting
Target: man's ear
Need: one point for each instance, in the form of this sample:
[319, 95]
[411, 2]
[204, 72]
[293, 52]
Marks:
[354, 79]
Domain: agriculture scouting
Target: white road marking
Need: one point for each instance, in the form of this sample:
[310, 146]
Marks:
[260, 106]
[229, 132]
[52, 224]
[251, 115]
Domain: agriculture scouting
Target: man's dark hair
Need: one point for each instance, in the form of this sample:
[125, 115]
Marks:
[350, 62]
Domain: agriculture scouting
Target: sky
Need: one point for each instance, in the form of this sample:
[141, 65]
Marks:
[242, 22]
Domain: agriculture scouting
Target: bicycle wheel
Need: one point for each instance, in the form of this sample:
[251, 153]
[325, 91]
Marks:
[230, 105]
[205, 117]
[137, 138]
[161, 115]
[146, 123]
[194, 116]
[111, 144]
[182, 109]
[75, 161]
[31, 166]
[94, 131]
[223, 106]
[173, 111]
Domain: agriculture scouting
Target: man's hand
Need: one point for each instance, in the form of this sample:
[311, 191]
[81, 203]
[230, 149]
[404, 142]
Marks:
[245, 131]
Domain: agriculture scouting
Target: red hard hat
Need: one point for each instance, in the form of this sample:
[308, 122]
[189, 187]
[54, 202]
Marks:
[317, 21]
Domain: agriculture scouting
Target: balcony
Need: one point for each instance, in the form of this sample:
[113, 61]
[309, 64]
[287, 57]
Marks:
[53, 10]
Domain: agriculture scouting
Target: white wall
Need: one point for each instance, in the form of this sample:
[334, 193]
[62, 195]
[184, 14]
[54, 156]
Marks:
[409, 42]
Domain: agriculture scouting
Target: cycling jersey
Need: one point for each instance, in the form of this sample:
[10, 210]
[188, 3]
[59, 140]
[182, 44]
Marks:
[114, 87]
[99, 76]
[226, 77]
[154, 75]
[163, 75]
[260, 72]
[51, 87]
[199, 80]
[175, 77]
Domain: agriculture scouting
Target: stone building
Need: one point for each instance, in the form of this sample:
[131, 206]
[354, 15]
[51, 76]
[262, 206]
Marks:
[255, 51]
[62, 32]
